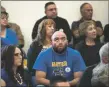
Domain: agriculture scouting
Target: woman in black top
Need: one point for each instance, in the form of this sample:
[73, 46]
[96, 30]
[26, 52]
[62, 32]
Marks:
[89, 48]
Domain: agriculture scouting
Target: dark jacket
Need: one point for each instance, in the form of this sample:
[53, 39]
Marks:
[33, 52]
[61, 23]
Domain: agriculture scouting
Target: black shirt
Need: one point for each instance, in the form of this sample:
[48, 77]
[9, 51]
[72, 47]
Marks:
[90, 54]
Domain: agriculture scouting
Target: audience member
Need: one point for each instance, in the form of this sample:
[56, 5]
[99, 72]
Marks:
[59, 60]
[97, 75]
[86, 11]
[7, 35]
[106, 33]
[42, 42]
[59, 81]
[89, 47]
[51, 12]
[100, 74]
[16, 28]
[12, 73]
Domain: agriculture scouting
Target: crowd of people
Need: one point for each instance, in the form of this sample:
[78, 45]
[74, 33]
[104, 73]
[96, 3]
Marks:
[58, 56]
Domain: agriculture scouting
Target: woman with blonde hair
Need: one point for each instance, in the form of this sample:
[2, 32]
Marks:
[43, 41]
[89, 47]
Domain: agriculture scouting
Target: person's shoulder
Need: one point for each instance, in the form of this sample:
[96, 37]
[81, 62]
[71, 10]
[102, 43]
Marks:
[97, 21]
[12, 24]
[99, 44]
[73, 51]
[75, 24]
[34, 43]
[106, 27]
[9, 30]
[61, 18]
[41, 19]
[76, 21]
[46, 52]
[79, 45]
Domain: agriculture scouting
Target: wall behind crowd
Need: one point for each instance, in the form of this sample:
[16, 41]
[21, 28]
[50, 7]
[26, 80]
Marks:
[26, 13]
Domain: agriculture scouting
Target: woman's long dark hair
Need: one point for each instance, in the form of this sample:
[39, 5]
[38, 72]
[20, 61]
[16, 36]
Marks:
[7, 57]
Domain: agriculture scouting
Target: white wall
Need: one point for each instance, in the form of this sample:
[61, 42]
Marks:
[25, 13]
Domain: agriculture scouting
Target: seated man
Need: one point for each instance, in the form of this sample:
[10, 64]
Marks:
[86, 13]
[59, 81]
[59, 60]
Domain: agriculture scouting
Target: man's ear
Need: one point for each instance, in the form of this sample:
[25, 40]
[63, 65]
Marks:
[67, 42]
[45, 11]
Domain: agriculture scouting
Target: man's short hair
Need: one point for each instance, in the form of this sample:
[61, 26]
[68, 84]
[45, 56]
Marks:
[81, 7]
[56, 79]
[48, 3]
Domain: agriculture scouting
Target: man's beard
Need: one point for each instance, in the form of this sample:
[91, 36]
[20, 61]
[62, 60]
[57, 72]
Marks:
[59, 51]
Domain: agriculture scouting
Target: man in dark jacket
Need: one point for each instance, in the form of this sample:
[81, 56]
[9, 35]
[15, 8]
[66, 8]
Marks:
[61, 23]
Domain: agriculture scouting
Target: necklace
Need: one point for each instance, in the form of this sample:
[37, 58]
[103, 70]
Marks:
[20, 82]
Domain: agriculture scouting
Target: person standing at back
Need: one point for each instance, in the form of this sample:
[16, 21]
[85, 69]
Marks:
[86, 11]
[51, 12]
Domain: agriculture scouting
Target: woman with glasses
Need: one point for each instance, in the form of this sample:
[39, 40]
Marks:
[12, 73]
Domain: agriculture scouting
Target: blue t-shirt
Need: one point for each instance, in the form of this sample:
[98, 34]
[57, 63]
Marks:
[64, 64]
[11, 38]
[8, 81]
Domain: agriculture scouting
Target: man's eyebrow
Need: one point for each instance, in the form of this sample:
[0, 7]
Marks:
[55, 37]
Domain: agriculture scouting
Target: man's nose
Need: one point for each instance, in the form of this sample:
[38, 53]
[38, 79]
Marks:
[60, 41]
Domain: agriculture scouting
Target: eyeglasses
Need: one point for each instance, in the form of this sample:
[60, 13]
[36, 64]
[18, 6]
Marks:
[52, 9]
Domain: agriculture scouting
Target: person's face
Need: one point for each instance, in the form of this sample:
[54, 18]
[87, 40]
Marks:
[105, 59]
[91, 32]
[51, 11]
[59, 42]
[49, 29]
[62, 84]
[17, 57]
[4, 20]
[87, 12]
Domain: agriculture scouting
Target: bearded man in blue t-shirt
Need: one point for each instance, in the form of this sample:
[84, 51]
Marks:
[59, 60]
